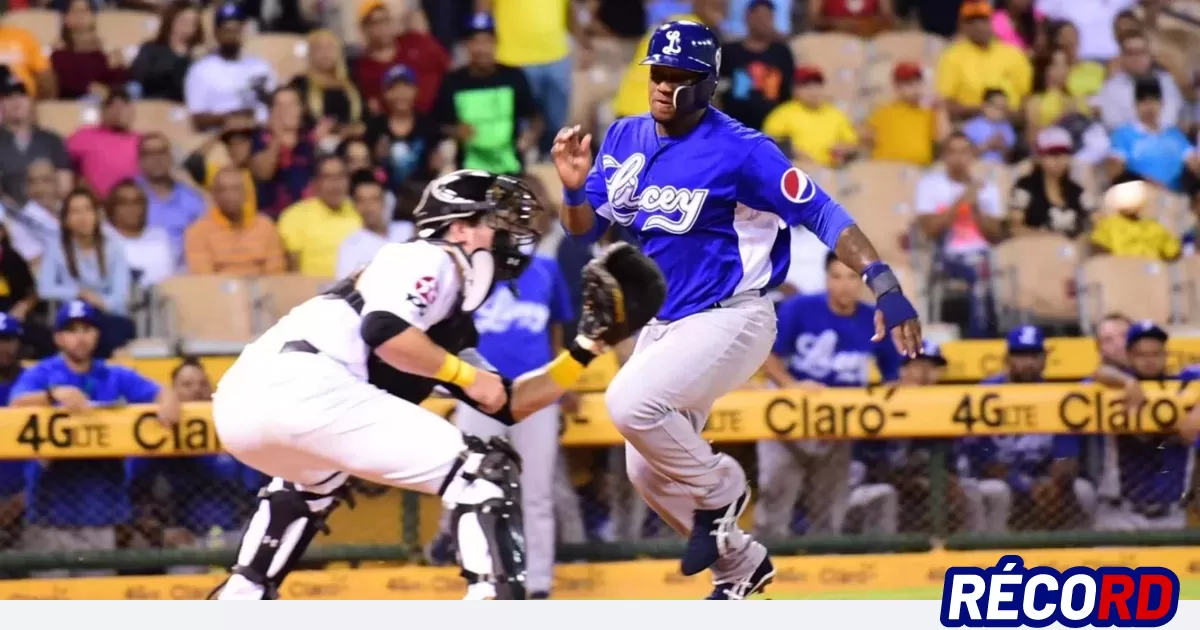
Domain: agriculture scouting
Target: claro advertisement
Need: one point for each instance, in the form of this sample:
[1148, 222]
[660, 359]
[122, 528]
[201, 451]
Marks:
[742, 416]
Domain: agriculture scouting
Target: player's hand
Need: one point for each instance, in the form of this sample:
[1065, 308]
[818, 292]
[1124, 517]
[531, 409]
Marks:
[1134, 396]
[169, 411]
[71, 398]
[808, 386]
[906, 336]
[572, 154]
[488, 391]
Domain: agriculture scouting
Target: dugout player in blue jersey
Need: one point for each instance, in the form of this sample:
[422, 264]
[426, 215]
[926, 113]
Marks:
[12, 473]
[710, 201]
[824, 340]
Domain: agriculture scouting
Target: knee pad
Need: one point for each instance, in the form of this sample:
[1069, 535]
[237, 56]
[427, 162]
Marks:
[288, 518]
[483, 494]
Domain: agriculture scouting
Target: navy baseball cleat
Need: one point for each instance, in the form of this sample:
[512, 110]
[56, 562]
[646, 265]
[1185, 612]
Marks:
[714, 534]
[754, 584]
[440, 551]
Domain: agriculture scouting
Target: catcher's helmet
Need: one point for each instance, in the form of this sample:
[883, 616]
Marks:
[688, 46]
[503, 202]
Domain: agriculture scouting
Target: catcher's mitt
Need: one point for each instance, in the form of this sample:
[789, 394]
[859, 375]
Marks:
[622, 290]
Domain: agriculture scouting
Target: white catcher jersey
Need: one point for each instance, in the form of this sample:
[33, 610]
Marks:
[417, 281]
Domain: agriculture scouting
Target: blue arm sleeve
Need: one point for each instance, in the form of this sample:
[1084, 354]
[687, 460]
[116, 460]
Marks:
[34, 379]
[561, 309]
[797, 199]
[887, 359]
[134, 387]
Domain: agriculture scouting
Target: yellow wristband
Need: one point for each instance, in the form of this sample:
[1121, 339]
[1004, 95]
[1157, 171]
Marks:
[564, 370]
[455, 371]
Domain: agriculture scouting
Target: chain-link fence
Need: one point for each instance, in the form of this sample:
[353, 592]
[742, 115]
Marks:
[186, 514]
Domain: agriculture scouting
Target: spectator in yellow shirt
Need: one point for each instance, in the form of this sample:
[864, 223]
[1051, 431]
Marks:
[1125, 232]
[977, 62]
[906, 129]
[631, 98]
[811, 127]
[21, 51]
[313, 229]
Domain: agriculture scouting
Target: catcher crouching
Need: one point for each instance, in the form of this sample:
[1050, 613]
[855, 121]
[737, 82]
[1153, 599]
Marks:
[333, 389]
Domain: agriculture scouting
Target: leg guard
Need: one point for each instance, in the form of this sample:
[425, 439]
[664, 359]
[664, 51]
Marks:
[483, 493]
[289, 516]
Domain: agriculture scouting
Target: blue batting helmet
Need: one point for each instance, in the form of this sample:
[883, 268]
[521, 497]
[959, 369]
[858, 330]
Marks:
[688, 46]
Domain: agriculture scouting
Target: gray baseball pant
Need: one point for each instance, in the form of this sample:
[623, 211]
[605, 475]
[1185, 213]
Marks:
[660, 401]
[786, 470]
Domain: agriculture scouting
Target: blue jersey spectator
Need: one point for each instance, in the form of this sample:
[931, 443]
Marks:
[1148, 149]
[12, 473]
[74, 505]
[1146, 487]
[824, 340]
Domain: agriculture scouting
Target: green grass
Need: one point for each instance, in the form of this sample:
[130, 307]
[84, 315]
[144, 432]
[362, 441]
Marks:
[1189, 589]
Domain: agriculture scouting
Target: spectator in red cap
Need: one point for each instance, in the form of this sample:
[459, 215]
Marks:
[1048, 199]
[813, 129]
[907, 128]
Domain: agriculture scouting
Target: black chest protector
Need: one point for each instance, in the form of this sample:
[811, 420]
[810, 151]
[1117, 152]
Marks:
[455, 333]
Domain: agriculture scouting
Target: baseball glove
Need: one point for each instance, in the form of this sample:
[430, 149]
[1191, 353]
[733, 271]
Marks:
[622, 290]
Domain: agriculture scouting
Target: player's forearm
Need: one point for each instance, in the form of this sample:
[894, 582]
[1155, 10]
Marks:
[413, 352]
[855, 249]
[578, 219]
[540, 388]
[1110, 376]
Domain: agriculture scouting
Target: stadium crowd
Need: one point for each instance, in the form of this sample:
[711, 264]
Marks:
[157, 152]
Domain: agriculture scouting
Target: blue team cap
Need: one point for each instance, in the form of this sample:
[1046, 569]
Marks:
[931, 352]
[10, 326]
[1145, 329]
[228, 12]
[1026, 340]
[74, 311]
[754, 4]
[398, 74]
[481, 23]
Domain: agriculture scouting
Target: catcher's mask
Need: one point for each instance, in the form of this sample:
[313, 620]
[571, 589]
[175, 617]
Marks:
[501, 202]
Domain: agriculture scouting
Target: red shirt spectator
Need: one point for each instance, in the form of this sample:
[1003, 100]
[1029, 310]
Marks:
[81, 63]
[382, 49]
[857, 17]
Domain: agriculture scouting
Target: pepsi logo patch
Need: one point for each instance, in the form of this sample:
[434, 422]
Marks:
[427, 289]
[796, 186]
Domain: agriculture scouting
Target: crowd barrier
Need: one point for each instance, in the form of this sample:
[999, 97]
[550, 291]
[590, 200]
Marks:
[913, 576]
[969, 361]
[742, 416]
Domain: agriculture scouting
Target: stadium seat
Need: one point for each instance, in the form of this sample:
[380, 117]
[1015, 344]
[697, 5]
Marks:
[288, 54]
[886, 217]
[126, 30]
[915, 46]
[547, 176]
[1033, 279]
[1188, 270]
[166, 117]
[66, 117]
[1139, 288]
[43, 23]
[279, 294]
[206, 314]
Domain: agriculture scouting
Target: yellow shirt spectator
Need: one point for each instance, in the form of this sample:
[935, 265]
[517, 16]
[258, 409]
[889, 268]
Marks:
[633, 97]
[1136, 237]
[903, 132]
[966, 70]
[530, 32]
[22, 53]
[312, 233]
[812, 131]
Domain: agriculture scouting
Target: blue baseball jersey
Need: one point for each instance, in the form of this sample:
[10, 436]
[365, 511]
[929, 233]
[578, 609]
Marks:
[712, 208]
[836, 350]
[12, 473]
[514, 330]
[81, 493]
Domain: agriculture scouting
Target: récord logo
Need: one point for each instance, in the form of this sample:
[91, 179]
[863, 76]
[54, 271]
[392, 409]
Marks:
[1009, 595]
[671, 209]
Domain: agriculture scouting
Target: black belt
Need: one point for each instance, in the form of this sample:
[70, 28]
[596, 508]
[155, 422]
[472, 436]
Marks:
[299, 346]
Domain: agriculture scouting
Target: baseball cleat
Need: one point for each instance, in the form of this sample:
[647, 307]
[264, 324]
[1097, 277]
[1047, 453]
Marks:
[755, 583]
[539, 595]
[715, 533]
[440, 551]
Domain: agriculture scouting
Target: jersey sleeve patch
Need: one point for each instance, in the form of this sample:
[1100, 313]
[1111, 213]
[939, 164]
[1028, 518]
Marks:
[796, 186]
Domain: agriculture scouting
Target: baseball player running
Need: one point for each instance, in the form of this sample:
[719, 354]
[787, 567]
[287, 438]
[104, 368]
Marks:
[333, 388]
[711, 201]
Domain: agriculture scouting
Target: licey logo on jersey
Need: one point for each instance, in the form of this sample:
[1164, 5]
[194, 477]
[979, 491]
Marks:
[1008, 595]
[669, 208]
[796, 186]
